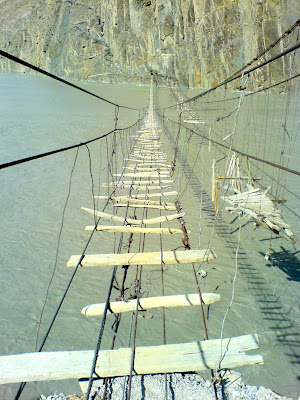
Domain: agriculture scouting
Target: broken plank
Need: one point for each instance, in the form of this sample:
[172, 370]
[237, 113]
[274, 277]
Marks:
[135, 229]
[149, 258]
[181, 300]
[131, 221]
[182, 357]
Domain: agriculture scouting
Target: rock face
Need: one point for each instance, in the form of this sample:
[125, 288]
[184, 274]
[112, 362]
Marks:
[198, 42]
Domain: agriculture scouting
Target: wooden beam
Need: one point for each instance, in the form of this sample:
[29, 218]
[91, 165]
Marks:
[155, 207]
[148, 169]
[149, 258]
[143, 196]
[143, 174]
[150, 164]
[142, 188]
[131, 221]
[181, 300]
[136, 182]
[141, 201]
[181, 357]
[135, 229]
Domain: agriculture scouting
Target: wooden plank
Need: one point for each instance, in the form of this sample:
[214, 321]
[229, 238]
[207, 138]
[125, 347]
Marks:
[140, 161]
[147, 258]
[135, 229]
[148, 169]
[131, 221]
[143, 174]
[181, 300]
[143, 188]
[152, 206]
[136, 182]
[153, 158]
[142, 164]
[140, 201]
[143, 196]
[181, 357]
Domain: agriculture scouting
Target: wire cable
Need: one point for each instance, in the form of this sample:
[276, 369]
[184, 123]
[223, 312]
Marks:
[49, 153]
[43, 72]
[228, 80]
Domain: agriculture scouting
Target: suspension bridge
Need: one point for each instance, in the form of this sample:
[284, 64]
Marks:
[144, 190]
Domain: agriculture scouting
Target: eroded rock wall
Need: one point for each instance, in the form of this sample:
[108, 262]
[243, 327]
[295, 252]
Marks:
[198, 42]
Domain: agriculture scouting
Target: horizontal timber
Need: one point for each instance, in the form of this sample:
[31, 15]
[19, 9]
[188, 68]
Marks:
[180, 300]
[149, 258]
[135, 229]
[181, 357]
[131, 221]
[152, 206]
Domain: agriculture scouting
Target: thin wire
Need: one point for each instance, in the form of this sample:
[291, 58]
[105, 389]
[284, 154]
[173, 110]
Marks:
[57, 248]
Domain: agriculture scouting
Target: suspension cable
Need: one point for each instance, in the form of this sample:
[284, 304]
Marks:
[228, 80]
[49, 153]
[43, 72]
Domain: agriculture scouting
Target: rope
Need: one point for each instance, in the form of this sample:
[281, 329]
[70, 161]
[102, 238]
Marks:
[228, 80]
[43, 72]
[50, 153]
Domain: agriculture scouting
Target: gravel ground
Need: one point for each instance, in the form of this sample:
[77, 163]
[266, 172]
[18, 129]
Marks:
[181, 387]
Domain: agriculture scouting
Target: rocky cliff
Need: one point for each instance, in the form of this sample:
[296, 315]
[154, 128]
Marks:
[198, 42]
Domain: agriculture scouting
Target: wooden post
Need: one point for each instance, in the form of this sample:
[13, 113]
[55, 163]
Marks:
[213, 180]
[209, 142]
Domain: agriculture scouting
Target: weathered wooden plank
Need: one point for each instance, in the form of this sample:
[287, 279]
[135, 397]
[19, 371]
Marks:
[147, 258]
[135, 229]
[142, 188]
[143, 196]
[136, 183]
[161, 158]
[143, 174]
[140, 201]
[181, 357]
[145, 188]
[131, 221]
[149, 164]
[152, 206]
[181, 300]
[148, 169]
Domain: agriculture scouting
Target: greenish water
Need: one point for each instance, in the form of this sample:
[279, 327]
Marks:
[38, 115]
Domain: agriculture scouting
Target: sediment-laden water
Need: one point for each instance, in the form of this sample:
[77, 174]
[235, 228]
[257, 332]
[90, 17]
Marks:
[38, 115]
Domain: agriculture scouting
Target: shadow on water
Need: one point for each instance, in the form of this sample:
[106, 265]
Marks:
[275, 317]
[287, 261]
